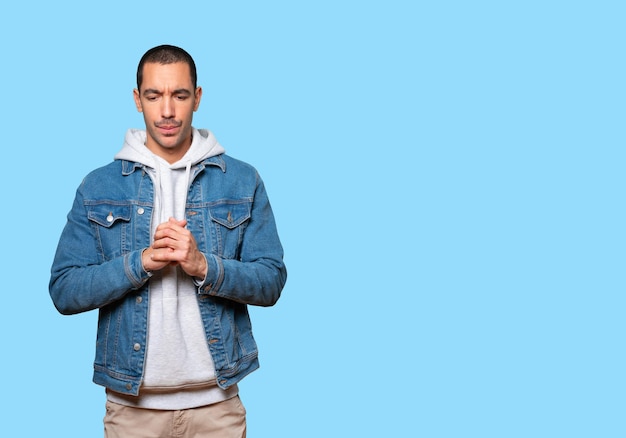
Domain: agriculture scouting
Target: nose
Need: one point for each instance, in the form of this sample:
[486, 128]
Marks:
[167, 108]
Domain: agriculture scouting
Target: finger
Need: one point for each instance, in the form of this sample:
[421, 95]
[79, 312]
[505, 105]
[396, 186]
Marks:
[163, 255]
[170, 230]
[182, 223]
[164, 242]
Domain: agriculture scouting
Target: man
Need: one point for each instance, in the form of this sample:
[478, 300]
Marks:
[171, 242]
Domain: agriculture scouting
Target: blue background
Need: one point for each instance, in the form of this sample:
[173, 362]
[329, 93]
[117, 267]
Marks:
[447, 179]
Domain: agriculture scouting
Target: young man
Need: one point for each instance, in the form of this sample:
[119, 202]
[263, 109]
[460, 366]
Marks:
[171, 242]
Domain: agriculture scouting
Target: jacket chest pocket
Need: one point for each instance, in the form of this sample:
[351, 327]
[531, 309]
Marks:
[111, 225]
[228, 223]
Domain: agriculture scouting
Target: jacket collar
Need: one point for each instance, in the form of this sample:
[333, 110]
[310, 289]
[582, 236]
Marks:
[129, 167]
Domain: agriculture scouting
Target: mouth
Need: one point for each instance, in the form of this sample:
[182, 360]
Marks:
[168, 129]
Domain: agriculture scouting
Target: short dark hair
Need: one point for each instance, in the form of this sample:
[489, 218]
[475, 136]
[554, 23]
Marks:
[166, 54]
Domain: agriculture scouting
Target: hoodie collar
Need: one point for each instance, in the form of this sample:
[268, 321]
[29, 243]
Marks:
[204, 146]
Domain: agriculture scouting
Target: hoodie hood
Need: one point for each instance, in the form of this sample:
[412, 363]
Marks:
[171, 181]
[203, 145]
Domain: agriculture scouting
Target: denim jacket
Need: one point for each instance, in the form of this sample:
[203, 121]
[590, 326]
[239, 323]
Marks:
[98, 264]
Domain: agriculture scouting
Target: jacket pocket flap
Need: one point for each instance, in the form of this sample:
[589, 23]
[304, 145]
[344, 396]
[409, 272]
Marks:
[107, 214]
[230, 215]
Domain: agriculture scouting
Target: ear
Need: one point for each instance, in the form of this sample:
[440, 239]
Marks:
[198, 96]
[137, 100]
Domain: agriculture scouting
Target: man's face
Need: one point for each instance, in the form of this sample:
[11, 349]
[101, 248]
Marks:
[167, 100]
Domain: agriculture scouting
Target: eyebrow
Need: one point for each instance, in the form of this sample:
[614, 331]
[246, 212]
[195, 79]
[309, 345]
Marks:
[177, 91]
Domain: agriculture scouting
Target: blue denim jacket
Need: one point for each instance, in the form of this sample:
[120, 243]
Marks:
[98, 264]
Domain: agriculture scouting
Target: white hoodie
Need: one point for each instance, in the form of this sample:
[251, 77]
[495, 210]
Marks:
[179, 371]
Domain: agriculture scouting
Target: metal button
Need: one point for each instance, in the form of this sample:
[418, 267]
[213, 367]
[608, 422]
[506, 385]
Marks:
[110, 217]
[140, 210]
[137, 347]
[139, 300]
[129, 386]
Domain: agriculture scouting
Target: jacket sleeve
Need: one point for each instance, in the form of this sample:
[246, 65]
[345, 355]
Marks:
[81, 280]
[259, 275]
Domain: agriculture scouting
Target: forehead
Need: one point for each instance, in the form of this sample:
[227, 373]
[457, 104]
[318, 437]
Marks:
[163, 76]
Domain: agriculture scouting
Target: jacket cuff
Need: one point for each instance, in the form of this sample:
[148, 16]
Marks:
[134, 269]
[214, 276]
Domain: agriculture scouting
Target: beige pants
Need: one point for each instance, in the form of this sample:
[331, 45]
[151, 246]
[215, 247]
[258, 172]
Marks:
[226, 419]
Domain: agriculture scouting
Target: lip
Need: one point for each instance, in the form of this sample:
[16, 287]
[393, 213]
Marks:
[168, 129]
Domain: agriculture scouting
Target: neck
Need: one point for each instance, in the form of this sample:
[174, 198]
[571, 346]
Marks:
[169, 154]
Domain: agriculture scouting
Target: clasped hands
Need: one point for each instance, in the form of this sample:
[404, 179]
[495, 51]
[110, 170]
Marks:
[174, 245]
